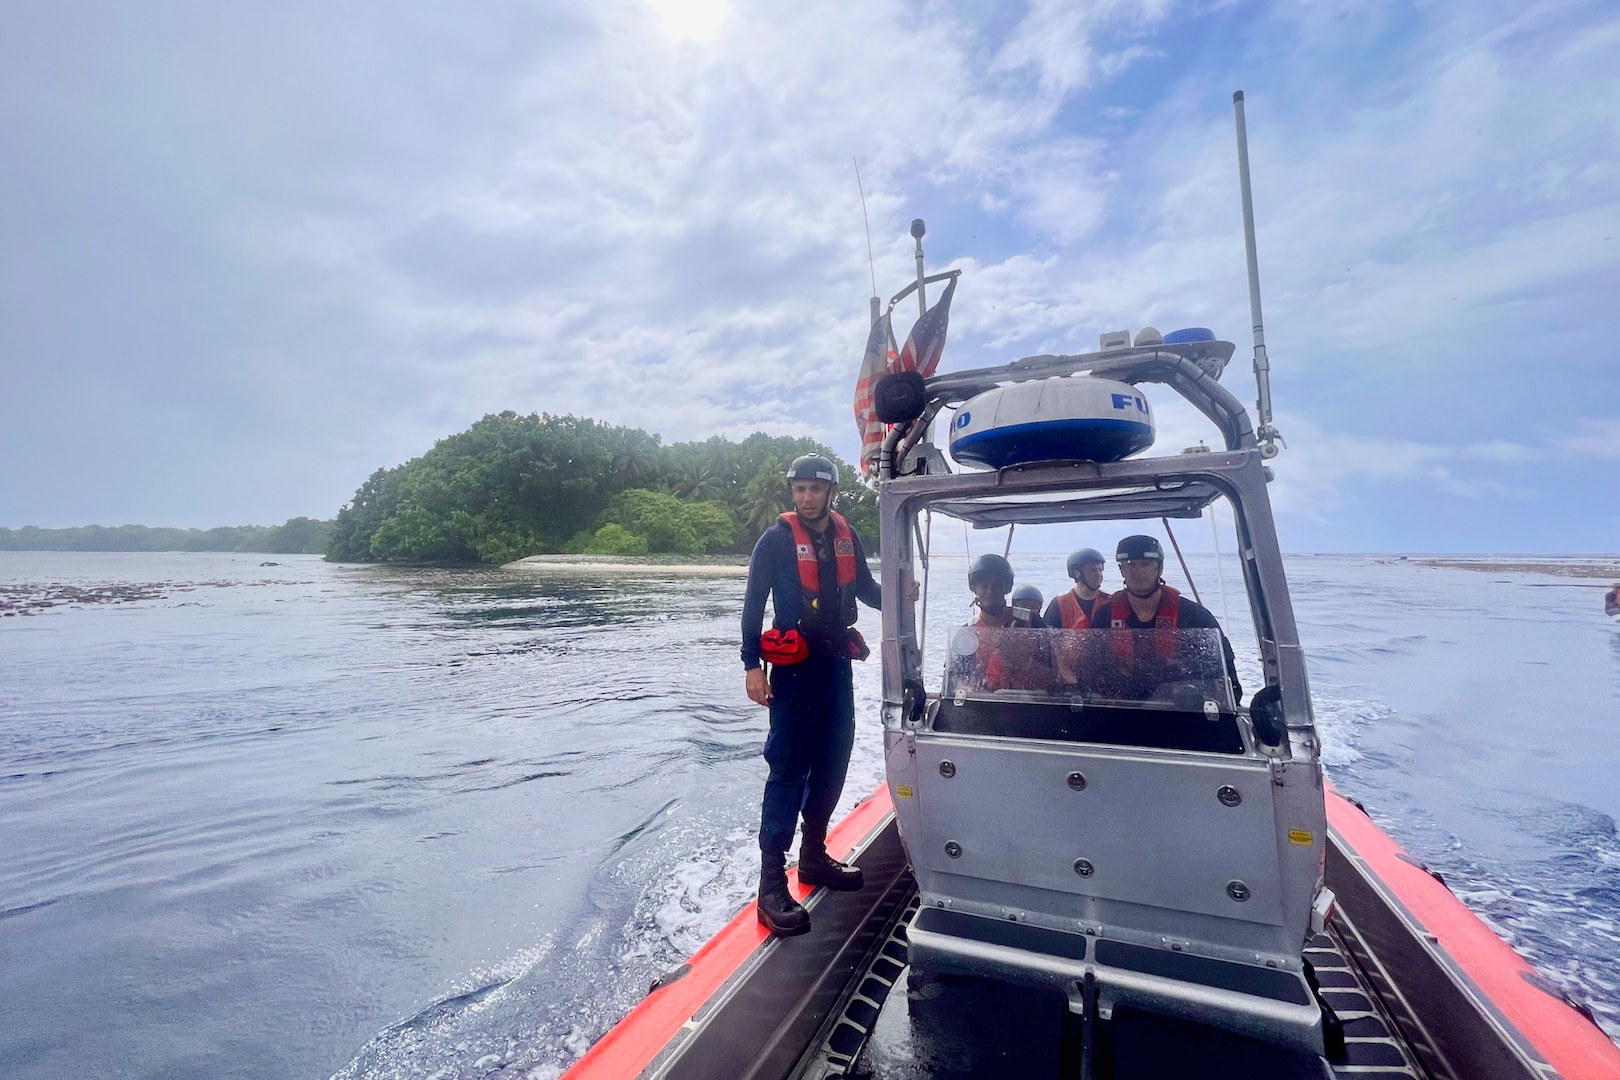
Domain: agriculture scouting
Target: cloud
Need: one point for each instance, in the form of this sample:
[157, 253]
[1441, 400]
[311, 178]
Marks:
[1057, 42]
[368, 237]
[691, 225]
[1598, 438]
[1315, 473]
[1420, 218]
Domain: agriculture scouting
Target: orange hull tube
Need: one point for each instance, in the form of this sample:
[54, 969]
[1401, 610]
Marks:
[626, 1050]
[1569, 1042]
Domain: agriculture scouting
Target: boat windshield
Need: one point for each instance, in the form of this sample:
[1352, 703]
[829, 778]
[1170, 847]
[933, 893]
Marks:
[1168, 669]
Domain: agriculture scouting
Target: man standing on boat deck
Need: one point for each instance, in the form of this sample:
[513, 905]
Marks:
[1146, 602]
[813, 566]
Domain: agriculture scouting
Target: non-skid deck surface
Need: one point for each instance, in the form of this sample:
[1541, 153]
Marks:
[897, 1027]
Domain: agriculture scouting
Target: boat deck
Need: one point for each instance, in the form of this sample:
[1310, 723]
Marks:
[1418, 986]
[896, 1026]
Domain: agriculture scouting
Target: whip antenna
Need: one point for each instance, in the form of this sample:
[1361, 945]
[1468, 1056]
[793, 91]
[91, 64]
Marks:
[871, 264]
[917, 231]
[1264, 431]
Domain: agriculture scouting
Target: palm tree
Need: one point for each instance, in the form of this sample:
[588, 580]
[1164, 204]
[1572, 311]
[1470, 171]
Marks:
[765, 498]
[696, 480]
[638, 457]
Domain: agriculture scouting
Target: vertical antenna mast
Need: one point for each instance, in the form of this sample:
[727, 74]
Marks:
[917, 231]
[1264, 431]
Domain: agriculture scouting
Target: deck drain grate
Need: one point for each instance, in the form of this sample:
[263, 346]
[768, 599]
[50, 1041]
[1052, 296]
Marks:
[850, 1034]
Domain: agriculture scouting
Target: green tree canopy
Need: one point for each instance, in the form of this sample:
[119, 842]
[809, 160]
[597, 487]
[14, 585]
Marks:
[512, 485]
[615, 539]
[670, 525]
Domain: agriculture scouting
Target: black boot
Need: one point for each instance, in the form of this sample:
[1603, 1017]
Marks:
[780, 913]
[816, 867]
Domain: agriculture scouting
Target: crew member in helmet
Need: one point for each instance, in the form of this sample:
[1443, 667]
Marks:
[990, 578]
[1002, 661]
[813, 567]
[1071, 610]
[1146, 602]
[1027, 600]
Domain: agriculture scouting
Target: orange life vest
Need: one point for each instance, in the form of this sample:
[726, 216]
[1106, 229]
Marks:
[1072, 615]
[789, 645]
[999, 672]
[810, 568]
[1168, 617]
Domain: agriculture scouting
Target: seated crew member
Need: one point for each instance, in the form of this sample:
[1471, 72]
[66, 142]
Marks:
[813, 567]
[1027, 599]
[991, 578]
[1611, 601]
[1002, 661]
[1146, 602]
[1071, 610]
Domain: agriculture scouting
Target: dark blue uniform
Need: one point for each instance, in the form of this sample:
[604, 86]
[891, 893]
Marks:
[812, 702]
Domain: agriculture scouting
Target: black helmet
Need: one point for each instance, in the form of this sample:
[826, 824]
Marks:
[990, 565]
[1077, 559]
[1022, 595]
[1140, 546]
[813, 467]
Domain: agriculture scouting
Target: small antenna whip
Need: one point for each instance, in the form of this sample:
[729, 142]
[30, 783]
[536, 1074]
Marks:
[871, 264]
[1265, 433]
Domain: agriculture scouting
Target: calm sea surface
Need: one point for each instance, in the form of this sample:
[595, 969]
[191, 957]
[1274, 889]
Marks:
[304, 820]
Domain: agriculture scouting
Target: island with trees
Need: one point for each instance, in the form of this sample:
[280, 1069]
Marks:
[512, 486]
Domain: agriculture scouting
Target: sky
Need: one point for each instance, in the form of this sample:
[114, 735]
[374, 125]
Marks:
[251, 253]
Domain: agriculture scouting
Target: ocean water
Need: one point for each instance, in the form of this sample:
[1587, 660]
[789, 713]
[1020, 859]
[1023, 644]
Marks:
[303, 820]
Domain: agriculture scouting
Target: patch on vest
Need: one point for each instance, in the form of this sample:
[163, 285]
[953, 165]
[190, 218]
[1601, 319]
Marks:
[844, 547]
[805, 552]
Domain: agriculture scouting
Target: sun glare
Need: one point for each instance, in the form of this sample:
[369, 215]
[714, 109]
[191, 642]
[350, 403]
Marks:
[690, 20]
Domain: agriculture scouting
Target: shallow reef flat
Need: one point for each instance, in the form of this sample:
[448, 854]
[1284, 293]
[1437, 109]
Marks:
[1557, 566]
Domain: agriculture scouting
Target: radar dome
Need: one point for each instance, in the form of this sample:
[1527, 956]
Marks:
[1063, 419]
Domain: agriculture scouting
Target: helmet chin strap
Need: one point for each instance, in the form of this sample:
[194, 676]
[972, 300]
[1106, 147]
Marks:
[826, 507]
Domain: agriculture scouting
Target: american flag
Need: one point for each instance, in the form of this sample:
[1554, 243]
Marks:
[926, 341]
[879, 360]
[923, 347]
